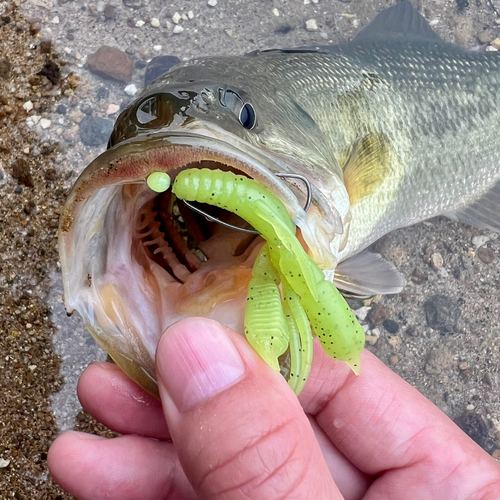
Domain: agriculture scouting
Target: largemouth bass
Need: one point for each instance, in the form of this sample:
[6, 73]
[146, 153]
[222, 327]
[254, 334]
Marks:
[388, 130]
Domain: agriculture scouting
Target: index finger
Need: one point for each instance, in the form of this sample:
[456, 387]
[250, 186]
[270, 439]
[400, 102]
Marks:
[381, 423]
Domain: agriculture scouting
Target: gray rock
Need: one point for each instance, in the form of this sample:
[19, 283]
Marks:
[95, 131]
[159, 65]
[390, 325]
[475, 427]
[441, 313]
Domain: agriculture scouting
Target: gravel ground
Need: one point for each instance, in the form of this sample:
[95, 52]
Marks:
[441, 334]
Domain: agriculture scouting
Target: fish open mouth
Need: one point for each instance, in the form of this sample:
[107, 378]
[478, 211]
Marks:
[135, 261]
[209, 261]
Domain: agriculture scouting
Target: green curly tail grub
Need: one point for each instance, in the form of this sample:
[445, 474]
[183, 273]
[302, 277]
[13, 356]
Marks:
[266, 327]
[301, 340]
[277, 321]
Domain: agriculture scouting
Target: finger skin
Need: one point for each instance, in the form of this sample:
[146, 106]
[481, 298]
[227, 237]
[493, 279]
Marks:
[126, 413]
[125, 468]
[351, 482]
[128, 409]
[251, 441]
[385, 426]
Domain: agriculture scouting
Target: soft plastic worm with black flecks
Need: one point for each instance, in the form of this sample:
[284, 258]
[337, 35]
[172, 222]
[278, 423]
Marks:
[306, 298]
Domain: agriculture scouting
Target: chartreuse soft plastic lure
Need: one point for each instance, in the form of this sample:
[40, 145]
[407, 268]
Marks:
[288, 294]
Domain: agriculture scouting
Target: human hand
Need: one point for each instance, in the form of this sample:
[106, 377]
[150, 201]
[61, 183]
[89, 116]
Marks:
[230, 428]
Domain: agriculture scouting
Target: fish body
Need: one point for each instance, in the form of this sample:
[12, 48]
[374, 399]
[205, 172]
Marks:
[390, 129]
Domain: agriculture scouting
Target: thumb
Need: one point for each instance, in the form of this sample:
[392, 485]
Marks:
[238, 429]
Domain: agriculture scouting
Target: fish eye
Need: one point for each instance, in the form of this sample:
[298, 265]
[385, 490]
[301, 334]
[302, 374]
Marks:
[244, 111]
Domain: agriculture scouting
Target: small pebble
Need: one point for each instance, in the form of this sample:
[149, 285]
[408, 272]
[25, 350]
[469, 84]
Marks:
[470, 407]
[76, 116]
[157, 48]
[390, 325]
[393, 360]
[177, 29]
[489, 48]
[496, 43]
[418, 276]
[371, 339]
[176, 18]
[437, 260]
[212, 3]
[378, 315]
[442, 273]
[484, 37]
[479, 241]
[486, 255]
[190, 14]
[44, 123]
[109, 11]
[112, 109]
[276, 12]
[155, 22]
[140, 23]
[311, 25]
[463, 365]
[61, 109]
[130, 90]
[28, 106]
[55, 20]
[362, 312]
[393, 340]
[4, 463]
[442, 313]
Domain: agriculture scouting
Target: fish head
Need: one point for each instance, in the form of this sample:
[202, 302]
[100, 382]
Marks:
[135, 261]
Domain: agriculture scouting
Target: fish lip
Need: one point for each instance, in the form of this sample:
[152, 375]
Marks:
[107, 168]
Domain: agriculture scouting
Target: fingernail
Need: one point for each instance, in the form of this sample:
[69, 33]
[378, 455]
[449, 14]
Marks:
[195, 360]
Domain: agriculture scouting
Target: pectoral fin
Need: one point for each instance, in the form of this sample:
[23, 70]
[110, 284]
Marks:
[367, 166]
[483, 213]
[368, 274]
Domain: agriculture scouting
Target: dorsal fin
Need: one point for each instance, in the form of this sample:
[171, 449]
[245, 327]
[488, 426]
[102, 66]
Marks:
[401, 21]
